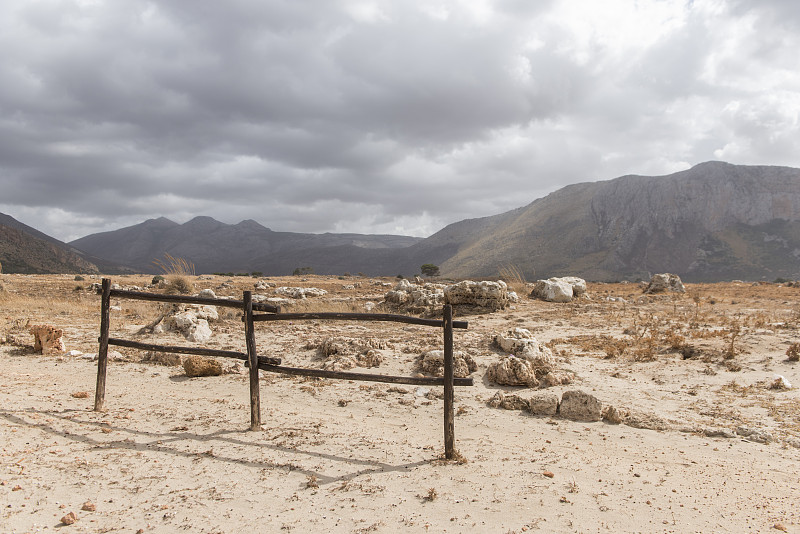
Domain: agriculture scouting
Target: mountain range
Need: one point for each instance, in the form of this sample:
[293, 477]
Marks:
[715, 221]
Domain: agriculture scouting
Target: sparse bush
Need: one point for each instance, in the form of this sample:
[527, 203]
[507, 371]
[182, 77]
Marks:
[79, 278]
[301, 271]
[730, 351]
[156, 279]
[793, 352]
[257, 274]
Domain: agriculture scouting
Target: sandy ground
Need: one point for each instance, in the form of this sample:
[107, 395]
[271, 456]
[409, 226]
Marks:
[173, 453]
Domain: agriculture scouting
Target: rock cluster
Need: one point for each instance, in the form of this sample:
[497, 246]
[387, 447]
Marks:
[432, 362]
[529, 364]
[660, 283]
[575, 405]
[342, 353]
[416, 297]
[559, 289]
[190, 320]
[421, 297]
[300, 292]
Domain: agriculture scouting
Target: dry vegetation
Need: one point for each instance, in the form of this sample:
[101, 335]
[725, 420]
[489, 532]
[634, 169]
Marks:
[693, 375]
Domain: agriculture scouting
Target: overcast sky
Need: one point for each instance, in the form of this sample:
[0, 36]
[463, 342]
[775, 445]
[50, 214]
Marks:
[375, 117]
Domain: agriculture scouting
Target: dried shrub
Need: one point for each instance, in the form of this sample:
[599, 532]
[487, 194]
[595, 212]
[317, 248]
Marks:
[793, 352]
[513, 277]
[180, 284]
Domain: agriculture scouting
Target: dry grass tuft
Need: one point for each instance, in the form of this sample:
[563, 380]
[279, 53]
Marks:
[173, 265]
[513, 277]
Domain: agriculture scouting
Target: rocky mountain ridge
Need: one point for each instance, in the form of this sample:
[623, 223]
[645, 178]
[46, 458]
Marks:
[715, 221]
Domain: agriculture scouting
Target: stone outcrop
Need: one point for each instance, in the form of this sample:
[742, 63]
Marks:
[47, 339]
[487, 295]
[666, 282]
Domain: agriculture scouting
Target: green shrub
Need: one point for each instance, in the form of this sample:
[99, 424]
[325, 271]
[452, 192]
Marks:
[429, 269]
[156, 279]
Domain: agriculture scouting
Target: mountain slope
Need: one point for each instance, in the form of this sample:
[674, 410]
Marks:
[21, 252]
[714, 221]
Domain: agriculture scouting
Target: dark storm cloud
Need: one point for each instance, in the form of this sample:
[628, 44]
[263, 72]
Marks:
[373, 116]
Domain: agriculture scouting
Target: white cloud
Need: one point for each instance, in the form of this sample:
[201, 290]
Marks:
[375, 116]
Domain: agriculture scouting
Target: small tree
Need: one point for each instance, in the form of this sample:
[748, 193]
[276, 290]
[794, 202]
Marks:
[300, 271]
[429, 269]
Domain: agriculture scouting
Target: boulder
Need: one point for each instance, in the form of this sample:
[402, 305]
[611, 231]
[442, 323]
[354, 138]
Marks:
[512, 371]
[163, 358]
[543, 404]
[488, 295]
[508, 401]
[578, 285]
[552, 290]
[557, 378]
[580, 406]
[47, 339]
[201, 366]
[432, 362]
[660, 283]
[562, 289]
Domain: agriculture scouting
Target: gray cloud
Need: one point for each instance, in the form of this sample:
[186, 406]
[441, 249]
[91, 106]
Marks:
[374, 116]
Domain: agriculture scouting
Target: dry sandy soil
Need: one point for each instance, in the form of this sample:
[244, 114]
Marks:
[705, 444]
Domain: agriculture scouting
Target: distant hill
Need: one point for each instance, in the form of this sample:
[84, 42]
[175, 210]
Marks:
[213, 246]
[715, 221]
[26, 250]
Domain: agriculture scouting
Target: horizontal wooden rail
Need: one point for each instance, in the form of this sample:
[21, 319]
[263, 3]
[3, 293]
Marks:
[159, 297]
[187, 350]
[336, 316]
[365, 377]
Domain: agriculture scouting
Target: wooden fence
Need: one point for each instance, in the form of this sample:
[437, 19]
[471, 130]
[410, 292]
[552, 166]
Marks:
[255, 362]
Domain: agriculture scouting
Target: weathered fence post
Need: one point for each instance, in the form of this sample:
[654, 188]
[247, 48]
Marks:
[252, 358]
[449, 416]
[102, 353]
